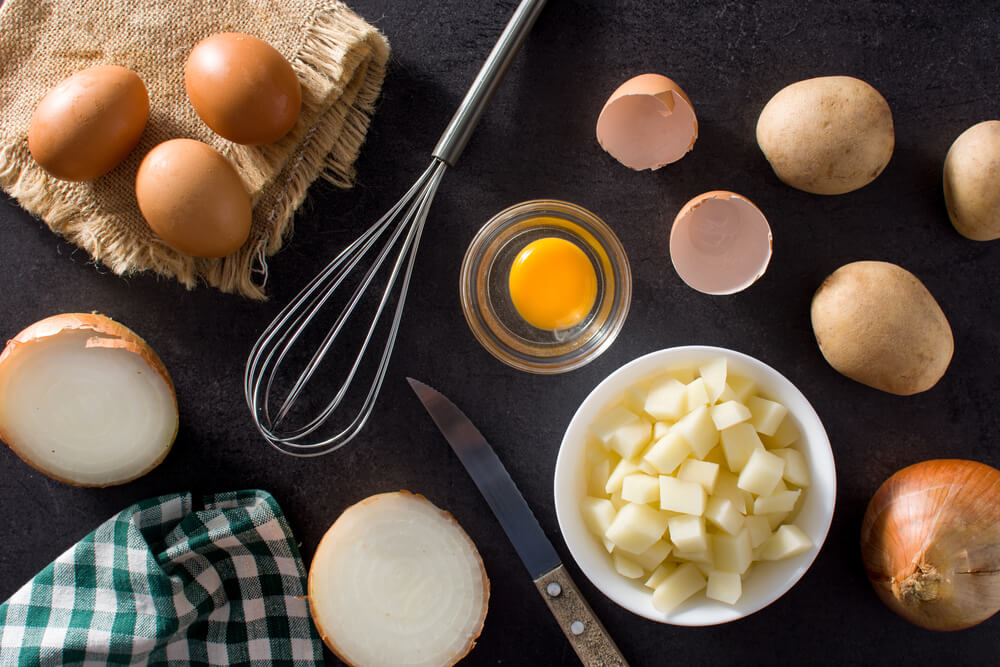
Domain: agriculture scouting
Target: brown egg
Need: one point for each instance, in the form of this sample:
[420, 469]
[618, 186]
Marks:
[242, 88]
[193, 198]
[85, 126]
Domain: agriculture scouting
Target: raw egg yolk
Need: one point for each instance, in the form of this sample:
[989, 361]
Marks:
[552, 284]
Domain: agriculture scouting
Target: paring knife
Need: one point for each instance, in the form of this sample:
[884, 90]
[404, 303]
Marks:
[584, 631]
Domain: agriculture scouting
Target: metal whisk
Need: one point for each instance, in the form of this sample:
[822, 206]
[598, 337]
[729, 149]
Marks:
[402, 225]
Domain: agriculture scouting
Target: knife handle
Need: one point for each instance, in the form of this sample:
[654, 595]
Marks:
[592, 643]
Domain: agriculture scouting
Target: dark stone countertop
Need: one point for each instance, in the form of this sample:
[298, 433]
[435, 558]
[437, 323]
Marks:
[938, 65]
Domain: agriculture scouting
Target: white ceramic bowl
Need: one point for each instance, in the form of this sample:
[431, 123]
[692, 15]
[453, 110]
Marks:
[766, 581]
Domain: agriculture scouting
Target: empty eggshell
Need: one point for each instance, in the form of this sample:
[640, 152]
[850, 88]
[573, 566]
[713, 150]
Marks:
[648, 122]
[720, 243]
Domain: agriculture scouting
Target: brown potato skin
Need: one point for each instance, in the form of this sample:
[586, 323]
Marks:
[827, 135]
[972, 182]
[876, 323]
[89, 122]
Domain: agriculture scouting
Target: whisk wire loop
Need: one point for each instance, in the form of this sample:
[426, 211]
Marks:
[406, 221]
[407, 217]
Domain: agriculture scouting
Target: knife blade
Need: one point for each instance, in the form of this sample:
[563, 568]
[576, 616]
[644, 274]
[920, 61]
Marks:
[586, 634]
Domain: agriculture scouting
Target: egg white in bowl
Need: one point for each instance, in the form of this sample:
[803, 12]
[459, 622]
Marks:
[765, 581]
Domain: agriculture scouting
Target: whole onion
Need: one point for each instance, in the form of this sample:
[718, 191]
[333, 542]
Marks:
[930, 541]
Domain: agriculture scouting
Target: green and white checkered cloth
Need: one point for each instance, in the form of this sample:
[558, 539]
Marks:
[170, 581]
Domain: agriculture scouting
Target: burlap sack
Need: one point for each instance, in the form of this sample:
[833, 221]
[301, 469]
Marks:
[340, 61]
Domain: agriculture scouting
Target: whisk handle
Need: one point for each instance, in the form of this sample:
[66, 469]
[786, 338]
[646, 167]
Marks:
[456, 135]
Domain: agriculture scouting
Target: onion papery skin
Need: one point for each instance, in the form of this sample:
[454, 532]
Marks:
[930, 542]
[378, 594]
[101, 333]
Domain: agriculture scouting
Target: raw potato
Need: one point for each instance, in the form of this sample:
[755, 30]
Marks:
[827, 135]
[877, 324]
[396, 581]
[972, 182]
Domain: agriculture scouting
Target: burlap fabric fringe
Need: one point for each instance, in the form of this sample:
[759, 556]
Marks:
[340, 61]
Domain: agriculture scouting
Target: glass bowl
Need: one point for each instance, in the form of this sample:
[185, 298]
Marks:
[485, 293]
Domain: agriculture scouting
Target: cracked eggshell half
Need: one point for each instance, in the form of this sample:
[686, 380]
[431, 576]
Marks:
[648, 122]
[720, 243]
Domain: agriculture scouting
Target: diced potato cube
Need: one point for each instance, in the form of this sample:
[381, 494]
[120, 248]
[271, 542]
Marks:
[684, 375]
[629, 439]
[679, 585]
[660, 573]
[762, 473]
[699, 430]
[738, 388]
[786, 435]
[776, 519]
[688, 533]
[759, 530]
[787, 541]
[598, 478]
[703, 557]
[626, 567]
[677, 495]
[614, 483]
[732, 553]
[716, 455]
[667, 453]
[660, 429]
[605, 426]
[729, 414]
[654, 555]
[598, 513]
[641, 488]
[705, 567]
[720, 512]
[702, 472]
[636, 527]
[767, 415]
[648, 468]
[782, 501]
[714, 375]
[725, 487]
[738, 443]
[697, 394]
[724, 586]
[595, 450]
[666, 399]
[616, 499]
[796, 468]
[635, 398]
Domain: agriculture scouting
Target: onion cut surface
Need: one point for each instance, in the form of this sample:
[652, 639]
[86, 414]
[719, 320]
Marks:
[86, 401]
[396, 581]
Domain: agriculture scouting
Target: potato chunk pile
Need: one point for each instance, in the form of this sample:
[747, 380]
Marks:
[691, 478]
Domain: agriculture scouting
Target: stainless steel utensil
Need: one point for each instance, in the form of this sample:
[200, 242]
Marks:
[592, 643]
[402, 225]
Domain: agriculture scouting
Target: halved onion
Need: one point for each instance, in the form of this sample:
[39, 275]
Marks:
[396, 581]
[85, 400]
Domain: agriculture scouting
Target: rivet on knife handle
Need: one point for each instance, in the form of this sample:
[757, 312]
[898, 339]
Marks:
[592, 643]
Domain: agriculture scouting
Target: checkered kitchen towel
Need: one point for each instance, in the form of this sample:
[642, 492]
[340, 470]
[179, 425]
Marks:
[170, 581]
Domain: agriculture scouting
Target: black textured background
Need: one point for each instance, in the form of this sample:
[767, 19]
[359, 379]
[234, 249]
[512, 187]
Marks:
[936, 64]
